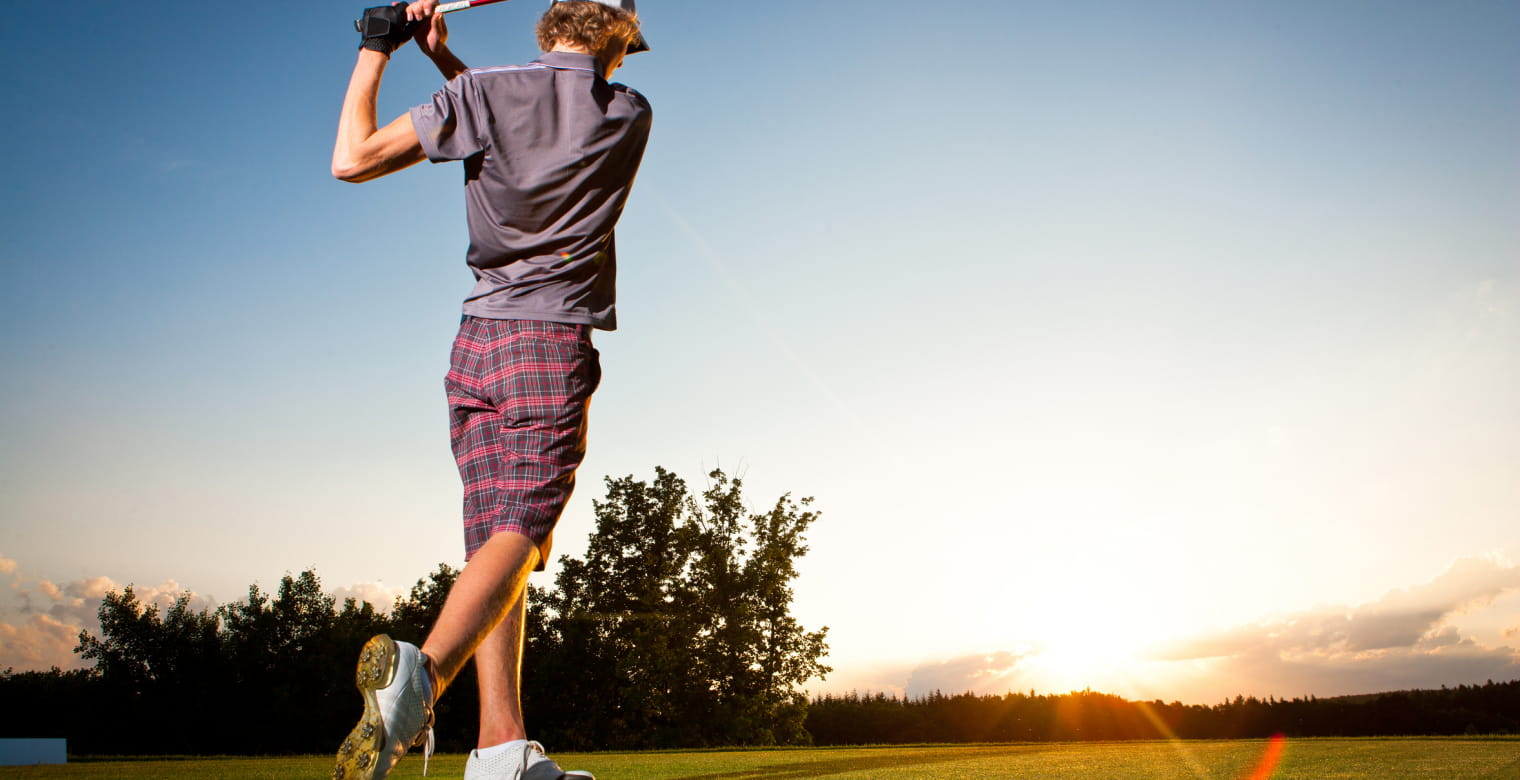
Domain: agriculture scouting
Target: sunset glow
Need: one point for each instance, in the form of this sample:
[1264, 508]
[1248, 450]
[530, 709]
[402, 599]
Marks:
[1163, 349]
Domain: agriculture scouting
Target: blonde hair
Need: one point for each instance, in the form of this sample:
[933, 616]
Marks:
[600, 29]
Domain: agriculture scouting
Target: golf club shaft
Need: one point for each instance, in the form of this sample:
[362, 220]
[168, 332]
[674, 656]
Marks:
[460, 5]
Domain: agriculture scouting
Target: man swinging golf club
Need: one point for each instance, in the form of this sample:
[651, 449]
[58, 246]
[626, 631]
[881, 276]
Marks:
[550, 150]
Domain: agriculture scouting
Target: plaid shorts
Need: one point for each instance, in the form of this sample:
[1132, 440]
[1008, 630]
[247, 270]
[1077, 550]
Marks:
[518, 393]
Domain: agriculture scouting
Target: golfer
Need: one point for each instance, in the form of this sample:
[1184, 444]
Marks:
[550, 150]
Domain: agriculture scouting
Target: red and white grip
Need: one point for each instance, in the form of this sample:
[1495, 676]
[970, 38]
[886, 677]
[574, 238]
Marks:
[460, 5]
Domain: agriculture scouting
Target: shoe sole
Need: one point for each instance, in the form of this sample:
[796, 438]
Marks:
[548, 773]
[361, 756]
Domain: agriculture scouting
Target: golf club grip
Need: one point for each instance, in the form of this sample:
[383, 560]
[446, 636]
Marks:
[460, 5]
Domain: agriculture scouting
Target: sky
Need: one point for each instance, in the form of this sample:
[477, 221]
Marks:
[1170, 349]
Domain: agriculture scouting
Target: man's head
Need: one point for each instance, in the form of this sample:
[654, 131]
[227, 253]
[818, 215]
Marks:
[606, 30]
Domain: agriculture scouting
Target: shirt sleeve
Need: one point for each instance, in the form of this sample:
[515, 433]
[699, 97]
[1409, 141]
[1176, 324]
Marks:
[451, 127]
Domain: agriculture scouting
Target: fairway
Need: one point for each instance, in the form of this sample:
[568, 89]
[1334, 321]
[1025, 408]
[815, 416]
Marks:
[1308, 759]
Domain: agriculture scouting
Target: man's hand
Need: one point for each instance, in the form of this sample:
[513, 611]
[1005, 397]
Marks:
[385, 28]
[421, 10]
[432, 37]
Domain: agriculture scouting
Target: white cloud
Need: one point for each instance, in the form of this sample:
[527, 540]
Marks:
[1409, 638]
[40, 642]
[1402, 619]
[50, 590]
[91, 588]
[1400, 641]
[167, 592]
[979, 673]
[42, 628]
[375, 593]
[864, 677]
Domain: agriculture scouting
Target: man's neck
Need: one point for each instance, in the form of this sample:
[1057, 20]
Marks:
[575, 48]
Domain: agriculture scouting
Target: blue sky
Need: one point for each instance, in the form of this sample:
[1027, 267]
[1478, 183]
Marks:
[1120, 343]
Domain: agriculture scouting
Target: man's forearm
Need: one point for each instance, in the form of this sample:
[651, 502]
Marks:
[449, 65]
[357, 121]
[363, 152]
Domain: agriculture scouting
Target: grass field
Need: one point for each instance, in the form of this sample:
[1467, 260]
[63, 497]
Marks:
[1309, 759]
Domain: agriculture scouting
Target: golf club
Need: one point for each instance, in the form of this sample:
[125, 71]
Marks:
[460, 5]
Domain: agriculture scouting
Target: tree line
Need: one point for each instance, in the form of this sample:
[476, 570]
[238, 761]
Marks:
[675, 630]
[855, 719]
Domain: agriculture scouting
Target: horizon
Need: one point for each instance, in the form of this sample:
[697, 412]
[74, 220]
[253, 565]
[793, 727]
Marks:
[1139, 347]
[78, 597]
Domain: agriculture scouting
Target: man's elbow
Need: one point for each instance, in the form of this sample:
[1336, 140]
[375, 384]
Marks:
[344, 170]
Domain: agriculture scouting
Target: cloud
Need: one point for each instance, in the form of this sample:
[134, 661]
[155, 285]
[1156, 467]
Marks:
[1409, 638]
[1399, 641]
[1401, 619]
[980, 673]
[91, 588]
[41, 642]
[167, 592]
[42, 627]
[1443, 659]
[50, 590]
[381, 597]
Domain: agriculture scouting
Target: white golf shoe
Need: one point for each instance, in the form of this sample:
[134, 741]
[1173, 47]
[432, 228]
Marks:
[398, 711]
[529, 764]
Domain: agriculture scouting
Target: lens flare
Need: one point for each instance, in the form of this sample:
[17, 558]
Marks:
[1270, 759]
[1198, 769]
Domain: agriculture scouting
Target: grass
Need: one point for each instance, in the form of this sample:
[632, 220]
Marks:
[1319, 759]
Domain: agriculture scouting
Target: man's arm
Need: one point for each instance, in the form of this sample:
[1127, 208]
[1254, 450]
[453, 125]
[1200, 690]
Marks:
[363, 151]
[432, 38]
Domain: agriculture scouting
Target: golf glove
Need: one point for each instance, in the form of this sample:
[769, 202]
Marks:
[385, 27]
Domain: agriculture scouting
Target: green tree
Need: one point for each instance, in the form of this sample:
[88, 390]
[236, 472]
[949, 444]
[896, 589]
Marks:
[786, 655]
[155, 666]
[608, 648]
[291, 664]
[413, 616]
[676, 628]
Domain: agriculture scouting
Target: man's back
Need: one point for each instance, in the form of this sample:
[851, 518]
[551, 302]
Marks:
[550, 150]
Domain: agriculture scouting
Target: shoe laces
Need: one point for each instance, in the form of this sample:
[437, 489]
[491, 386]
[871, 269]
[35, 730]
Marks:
[425, 737]
[427, 742]
[528, 751]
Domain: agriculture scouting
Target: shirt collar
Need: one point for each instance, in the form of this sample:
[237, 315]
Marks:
[570, 60]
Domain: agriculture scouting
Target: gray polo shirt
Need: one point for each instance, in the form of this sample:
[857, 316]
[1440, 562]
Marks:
[550, 151]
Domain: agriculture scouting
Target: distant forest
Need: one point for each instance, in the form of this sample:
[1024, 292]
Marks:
[97, 718]
[853, 719]
[674, 631]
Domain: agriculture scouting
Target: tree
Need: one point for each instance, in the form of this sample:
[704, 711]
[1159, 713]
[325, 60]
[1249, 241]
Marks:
[676, 629]
[609, 647]
[155, 667]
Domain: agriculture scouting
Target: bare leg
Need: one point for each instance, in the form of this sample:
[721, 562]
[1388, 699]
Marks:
[491, 586]
[498, 667]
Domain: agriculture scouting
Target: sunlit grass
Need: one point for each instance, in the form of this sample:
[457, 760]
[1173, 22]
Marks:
[1307, 759]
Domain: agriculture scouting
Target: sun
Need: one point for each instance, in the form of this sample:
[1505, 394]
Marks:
[1074, 663]
[1086, 644]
